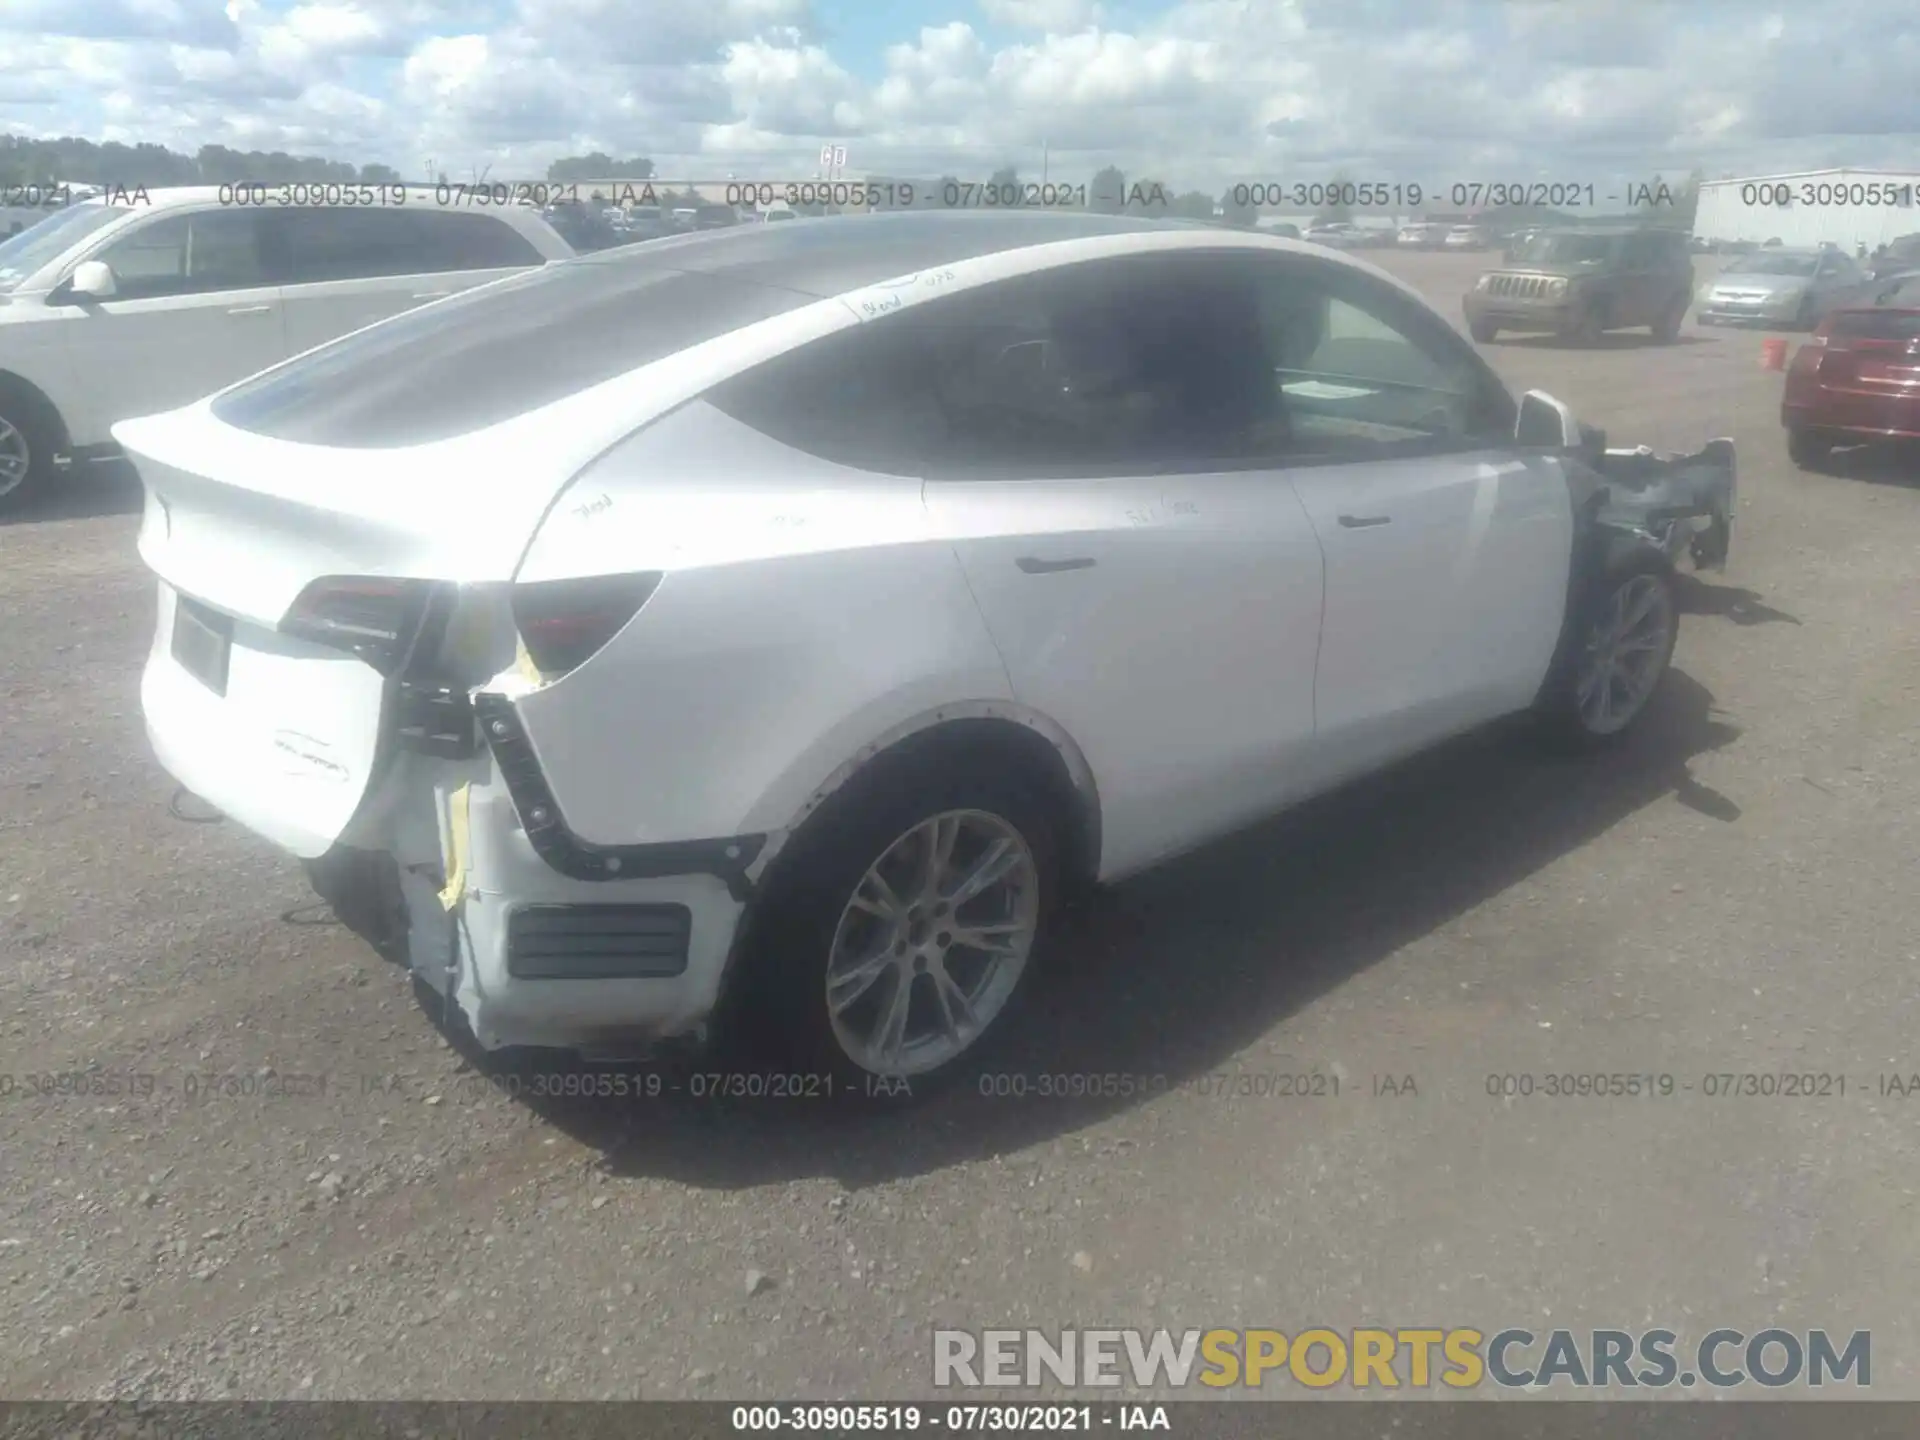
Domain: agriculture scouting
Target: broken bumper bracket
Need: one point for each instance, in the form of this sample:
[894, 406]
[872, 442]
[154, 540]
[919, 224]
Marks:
[580, 859]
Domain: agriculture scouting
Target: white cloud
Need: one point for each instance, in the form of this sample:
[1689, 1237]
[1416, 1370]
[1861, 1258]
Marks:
[1203, 92]
[791, 90]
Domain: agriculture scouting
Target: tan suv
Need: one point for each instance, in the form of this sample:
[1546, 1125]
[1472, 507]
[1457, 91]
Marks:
[1581, 283]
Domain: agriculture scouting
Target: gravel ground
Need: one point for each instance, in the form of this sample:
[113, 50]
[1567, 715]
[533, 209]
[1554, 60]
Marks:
[350, 1209]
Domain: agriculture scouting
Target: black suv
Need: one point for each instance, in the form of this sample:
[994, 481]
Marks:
[1582, 282]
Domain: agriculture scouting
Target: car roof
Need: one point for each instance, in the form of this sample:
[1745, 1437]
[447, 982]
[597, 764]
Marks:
[824, 257]
[525, 342]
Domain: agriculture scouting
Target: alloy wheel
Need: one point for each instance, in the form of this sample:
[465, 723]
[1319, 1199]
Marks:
[932, 943]
[1625, 655]
[16, 457]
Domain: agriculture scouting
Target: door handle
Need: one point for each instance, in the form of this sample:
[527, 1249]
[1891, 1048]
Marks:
[250, 310]
[1034, 565]
[1362, 522]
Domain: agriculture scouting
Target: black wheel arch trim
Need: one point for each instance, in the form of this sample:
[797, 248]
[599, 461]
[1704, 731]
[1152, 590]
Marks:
[1600, 546]
[729, 859]
[21, 385]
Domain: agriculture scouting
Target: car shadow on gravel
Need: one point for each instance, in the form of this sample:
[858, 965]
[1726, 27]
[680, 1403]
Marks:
[1176, 972]
[84, 493]
[1876, 464]
[1728, 602]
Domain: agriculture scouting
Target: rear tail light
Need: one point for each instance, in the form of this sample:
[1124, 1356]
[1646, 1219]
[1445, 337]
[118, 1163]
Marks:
[375, 617]
[564, 623]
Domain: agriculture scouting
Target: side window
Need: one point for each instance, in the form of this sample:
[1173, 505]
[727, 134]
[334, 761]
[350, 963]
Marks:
[333, 243]
[1363, 371]
[860, 397]
[1114, 367]
[469, 240]
[193, 254]
[324, 243]
[1638, 252]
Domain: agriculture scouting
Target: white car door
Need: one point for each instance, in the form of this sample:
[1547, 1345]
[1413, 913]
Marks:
[193, 312]
[1447, 550]
[1150, 591]
[344, 268]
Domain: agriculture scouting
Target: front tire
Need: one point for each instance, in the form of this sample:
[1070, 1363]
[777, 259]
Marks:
[1484, 331]
[1808, 449]
[1591, 326]
[899, 937]
[29, 437]
[1620, 649]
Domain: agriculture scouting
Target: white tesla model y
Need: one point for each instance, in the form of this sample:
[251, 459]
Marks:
[781, 621]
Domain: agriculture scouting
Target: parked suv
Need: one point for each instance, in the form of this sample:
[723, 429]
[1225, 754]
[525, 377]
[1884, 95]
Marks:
[1581, 283]
[110, 310]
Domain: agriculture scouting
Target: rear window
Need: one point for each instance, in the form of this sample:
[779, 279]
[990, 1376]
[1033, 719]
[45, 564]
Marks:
[1880, 324]
[494, 353]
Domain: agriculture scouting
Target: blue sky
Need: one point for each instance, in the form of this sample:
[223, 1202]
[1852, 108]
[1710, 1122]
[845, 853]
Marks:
[1200, 92]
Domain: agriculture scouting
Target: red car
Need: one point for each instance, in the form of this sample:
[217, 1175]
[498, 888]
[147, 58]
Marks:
[1857, 380]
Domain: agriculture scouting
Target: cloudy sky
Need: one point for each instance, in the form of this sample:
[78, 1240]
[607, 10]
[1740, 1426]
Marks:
[1199, 92]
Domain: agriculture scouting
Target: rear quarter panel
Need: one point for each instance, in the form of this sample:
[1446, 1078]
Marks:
[808, 612]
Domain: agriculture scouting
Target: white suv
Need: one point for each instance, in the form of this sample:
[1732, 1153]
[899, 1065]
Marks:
[776, 624]
[111, 309]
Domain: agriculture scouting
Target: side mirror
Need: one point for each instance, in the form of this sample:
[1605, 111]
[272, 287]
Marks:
[91, 280]
[1545, 424]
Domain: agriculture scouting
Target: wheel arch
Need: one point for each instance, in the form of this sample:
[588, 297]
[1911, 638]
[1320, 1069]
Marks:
[1600, 550]
[970, 731]
[960, 732]
[12, 383]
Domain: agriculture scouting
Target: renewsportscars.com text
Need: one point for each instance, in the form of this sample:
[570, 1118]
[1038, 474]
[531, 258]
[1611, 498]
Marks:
[1388, 1359]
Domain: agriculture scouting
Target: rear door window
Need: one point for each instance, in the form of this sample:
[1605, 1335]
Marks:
[329, 243]
[1114, 367]
[452, 240]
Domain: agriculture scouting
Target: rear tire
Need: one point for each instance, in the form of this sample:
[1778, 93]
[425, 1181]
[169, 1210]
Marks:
[822, 918]
[1808, 449]
[1484, 331]
[30, 435]
[1617, 653]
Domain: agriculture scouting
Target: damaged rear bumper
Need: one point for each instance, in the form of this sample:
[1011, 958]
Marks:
[537, 937]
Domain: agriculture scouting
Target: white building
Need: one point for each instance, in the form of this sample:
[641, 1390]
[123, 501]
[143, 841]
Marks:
[1844, 207]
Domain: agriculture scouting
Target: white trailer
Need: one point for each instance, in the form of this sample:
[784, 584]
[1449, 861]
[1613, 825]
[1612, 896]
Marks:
[1844, 207]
